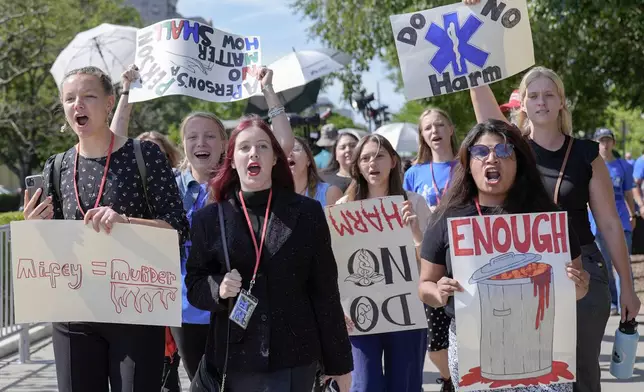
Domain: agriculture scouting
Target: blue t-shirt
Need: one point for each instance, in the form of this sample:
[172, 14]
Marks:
[621, 174]
[419, 179]
[638, 168]
[320, 192]
[323, 159]
[194, 197]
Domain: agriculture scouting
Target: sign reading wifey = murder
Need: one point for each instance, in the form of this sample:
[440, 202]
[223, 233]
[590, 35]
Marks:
[184, 57]
[64, 271]
[458, 47]
[377, 268]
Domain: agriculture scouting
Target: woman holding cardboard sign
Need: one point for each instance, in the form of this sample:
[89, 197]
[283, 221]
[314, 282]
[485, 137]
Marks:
[261, 261]
[430, 177]
[497, 175]
[376, 172]
[575, 176]
[204, 142]
[100, 181]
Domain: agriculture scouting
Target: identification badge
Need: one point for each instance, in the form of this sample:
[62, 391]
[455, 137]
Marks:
[244, 308]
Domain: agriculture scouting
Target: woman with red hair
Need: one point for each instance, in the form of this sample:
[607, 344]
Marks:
[270, 278]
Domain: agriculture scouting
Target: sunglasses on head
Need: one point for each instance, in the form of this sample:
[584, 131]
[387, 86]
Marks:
[501, 150]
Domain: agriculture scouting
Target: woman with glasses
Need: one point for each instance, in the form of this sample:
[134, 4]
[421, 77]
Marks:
[497, 175]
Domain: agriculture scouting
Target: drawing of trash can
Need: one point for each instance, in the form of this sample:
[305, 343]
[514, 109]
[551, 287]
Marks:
[517, 316]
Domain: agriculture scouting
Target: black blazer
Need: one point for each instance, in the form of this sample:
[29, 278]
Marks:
[299, 319]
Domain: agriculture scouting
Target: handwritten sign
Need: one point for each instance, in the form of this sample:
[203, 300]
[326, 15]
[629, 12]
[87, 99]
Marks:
[457, 47]
[515, 321]
[184, 57]
[64, 271]
[377, 269]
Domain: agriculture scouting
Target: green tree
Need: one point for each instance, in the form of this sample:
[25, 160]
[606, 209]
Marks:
[595, 46]
[32, 34]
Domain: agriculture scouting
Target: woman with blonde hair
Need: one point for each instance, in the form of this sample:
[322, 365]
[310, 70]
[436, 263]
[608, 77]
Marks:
[575, 176]
[204, 140]
[430, 177]
[166, 146]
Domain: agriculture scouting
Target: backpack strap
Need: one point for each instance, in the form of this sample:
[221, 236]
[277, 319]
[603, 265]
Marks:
[140, 163]
[58, 165]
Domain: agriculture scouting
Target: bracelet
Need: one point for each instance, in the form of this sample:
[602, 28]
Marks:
[270, 85]
[276, 111]
[126, 92]
[126, 218]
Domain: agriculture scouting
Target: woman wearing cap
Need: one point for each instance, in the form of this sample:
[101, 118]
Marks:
[511, 108]
[338, 172]
[328, 136]
[575, 176]
[430, 177]
[516, 189]
[621, 174]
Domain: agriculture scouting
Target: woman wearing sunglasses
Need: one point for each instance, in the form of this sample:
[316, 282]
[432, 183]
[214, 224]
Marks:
[497, 175]
[576, 177]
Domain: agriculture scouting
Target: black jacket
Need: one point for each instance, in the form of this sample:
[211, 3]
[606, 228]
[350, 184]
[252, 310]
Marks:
[299, 319]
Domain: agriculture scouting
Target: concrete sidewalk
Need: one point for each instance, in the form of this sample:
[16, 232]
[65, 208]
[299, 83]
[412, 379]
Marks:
[40, 374]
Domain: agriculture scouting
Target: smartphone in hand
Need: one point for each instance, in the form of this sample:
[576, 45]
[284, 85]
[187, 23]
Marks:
[33, 183]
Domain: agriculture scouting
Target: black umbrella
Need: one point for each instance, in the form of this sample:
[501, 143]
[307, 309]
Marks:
[295, 100]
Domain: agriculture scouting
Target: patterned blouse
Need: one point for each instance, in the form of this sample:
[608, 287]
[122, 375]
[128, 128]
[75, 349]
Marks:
[123, 188]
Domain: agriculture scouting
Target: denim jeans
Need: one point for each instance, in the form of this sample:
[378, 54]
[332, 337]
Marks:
[613, 277]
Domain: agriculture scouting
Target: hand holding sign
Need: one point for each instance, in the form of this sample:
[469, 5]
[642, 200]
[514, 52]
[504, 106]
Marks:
[446, 287]
[411, 219]
[581, 278]
[129, 75]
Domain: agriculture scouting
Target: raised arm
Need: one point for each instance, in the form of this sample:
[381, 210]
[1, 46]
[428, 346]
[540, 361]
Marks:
[121, 121]
[485, 104]
[281, 125]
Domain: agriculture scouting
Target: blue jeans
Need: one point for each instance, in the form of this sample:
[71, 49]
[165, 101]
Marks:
[613, 277]
[404, 354]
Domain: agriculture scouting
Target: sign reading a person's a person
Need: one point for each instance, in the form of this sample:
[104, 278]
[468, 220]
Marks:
[377, 268]
[458, 47]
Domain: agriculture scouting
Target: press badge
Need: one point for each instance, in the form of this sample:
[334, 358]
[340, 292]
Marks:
[244, 308]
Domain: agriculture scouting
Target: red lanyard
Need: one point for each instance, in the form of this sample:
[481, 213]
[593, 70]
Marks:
[258, 250]
[478, 206]
[100, 190]
[438, 194]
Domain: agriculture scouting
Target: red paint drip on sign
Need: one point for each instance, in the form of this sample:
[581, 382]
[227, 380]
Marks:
[541, 284]
[559, 372]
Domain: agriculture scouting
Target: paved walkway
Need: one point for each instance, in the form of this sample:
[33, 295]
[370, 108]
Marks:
[40, 374]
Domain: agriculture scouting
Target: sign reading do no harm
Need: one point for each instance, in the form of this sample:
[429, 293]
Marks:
[458, 47]
[377, 268]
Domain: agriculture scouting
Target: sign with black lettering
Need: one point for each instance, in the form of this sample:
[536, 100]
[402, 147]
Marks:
[457, 47]
[184, 57]
[377, 268]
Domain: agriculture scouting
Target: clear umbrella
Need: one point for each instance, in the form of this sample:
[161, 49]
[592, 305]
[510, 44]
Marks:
[402, 136]
[108, 47]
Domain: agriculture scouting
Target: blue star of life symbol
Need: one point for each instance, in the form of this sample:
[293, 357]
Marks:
[453, 44]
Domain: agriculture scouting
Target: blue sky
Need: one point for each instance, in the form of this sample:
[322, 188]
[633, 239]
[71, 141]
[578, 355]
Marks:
[281, 29]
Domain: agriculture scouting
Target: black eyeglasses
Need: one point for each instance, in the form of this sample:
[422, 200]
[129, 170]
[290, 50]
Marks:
[501, 150]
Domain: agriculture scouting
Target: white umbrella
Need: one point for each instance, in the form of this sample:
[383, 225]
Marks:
[298, 68]
[108, 47]
[402, 136]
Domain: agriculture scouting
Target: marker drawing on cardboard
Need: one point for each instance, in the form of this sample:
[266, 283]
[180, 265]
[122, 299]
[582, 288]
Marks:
[377, 269]
[516, 319]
